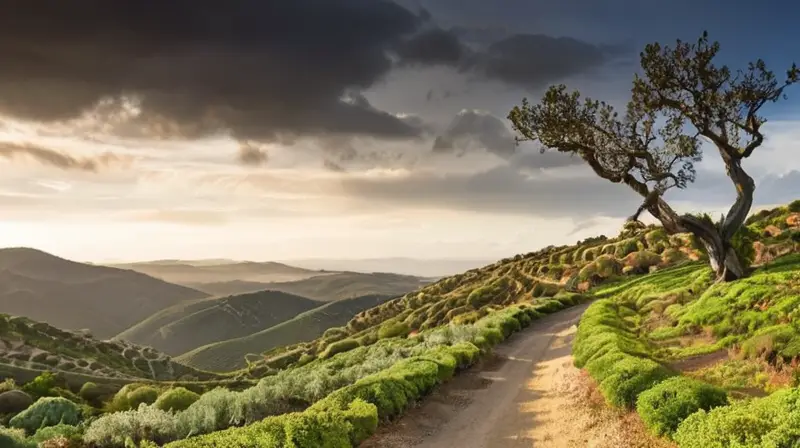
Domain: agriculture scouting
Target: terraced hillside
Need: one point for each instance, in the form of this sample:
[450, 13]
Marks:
[231, 354]
[28, 348]
[188, 325]
[78, 296]
[662, 339]
[344, 285]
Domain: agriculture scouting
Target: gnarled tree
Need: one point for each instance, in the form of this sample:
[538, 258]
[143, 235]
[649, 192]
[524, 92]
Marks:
[681, 100]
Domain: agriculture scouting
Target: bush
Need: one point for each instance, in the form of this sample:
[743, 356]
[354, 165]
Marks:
[176, 399]
[794, 206]
[14, 438]
[14, 401]
[773, 421]
[145, 423]
[71, 433]
[393, 329]
[131, 396]
[41, 386]
[47, 411]
[629, 377]
[666, 405]
[640, 262]
[342, 346]
[742, 243]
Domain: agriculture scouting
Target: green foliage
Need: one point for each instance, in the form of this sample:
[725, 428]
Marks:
[41, 386]
[667, 404]
[71, 433]
[132, 395]
[794, 206]
[47, 411]
[773, 421]
[339, 347]
[176, 399]
[393, 329]
[742, 243]
[14, 438]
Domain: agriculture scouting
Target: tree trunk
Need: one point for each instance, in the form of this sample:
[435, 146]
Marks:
[721, 255]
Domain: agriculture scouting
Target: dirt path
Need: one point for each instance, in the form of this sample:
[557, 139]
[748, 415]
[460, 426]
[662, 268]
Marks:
[527, 395]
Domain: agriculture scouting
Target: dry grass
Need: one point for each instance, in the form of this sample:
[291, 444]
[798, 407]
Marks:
[601, 426]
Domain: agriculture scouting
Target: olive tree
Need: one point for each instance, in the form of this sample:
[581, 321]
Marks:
[681, 99]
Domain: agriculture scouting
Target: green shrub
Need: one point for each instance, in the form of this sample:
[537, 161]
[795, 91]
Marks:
[742, 243]
[47, 411]
[14, 401]
[14, 438]
[144, 423]
[176, 399]
[41, 386]
[342, 346]
[666, 405]
[131, 396]
[794, 206]
[630, 377]
[393, 329]
[769, 422]
[72, 434]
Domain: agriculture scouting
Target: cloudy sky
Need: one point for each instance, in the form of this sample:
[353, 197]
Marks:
[264, 129]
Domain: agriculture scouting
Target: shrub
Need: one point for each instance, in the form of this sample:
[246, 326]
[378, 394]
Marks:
[41, 386]
[131, 395]
[71, 433]
[625, 247]
[666, 405]
[393, 329]
[640, 262]
[342, 346]
[176, 399]
[794, 206]
[628, 378]
[145, 423]
[14, 438]
[773, 421]
[14, 401]
[47, 411]
[742, 243]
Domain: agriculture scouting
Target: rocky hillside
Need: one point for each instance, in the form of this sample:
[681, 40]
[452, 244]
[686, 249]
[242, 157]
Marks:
[28, 347]
[549, 272]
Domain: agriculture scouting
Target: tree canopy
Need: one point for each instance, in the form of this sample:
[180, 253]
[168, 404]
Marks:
[681, 99]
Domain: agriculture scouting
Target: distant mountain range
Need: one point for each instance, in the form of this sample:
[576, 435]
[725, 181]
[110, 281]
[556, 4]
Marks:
[433, 268]
[75, 296]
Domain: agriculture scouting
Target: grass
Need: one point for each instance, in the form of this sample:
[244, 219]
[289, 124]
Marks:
[230, 355]
[183, 327]
[645, 344]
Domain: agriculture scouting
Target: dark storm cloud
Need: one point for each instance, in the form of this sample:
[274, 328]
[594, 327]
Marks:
[257, 68]
[533, 61]
[57, 159]
[474, 130]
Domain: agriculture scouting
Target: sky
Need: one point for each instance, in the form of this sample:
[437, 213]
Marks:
[277, 130]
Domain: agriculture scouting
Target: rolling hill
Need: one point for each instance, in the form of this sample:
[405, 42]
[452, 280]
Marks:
[230, 354]
[215, 271]
[72, 295]
[328, 287]
[28, 348]
[189, 325]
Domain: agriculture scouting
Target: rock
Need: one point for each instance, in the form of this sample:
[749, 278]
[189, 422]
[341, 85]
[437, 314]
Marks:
[772, 231]
[14, 401]
[793, 220]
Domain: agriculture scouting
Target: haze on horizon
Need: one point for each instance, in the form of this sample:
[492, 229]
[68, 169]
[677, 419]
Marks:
[379, 134]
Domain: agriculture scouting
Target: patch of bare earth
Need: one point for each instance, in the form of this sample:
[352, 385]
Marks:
[528, 395]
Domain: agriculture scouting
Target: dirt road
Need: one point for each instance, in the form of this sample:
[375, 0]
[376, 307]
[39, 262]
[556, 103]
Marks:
[527, 395]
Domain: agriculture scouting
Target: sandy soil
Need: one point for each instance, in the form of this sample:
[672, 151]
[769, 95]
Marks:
[527, 395]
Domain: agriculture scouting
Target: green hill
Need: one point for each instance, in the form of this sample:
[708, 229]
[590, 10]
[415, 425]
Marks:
[324, 287]
[28, 347]
[230, 355]
[76, 296]
[189, 325]
[186, 272]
